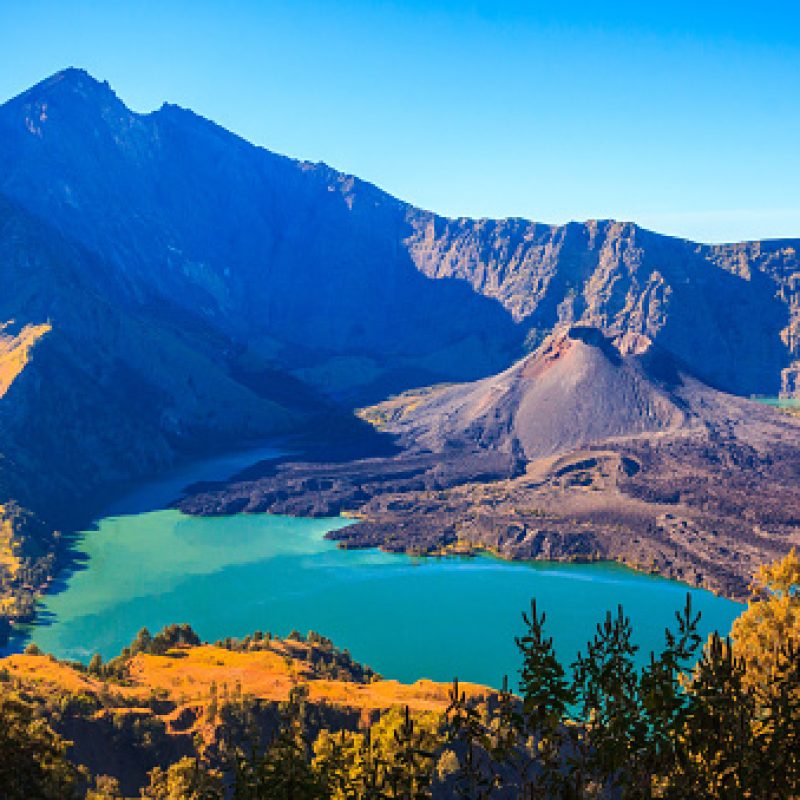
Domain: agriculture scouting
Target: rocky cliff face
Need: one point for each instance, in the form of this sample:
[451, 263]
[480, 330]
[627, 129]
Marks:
[731, 313]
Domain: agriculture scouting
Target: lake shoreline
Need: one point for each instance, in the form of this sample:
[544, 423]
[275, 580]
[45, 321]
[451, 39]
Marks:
[391, 611]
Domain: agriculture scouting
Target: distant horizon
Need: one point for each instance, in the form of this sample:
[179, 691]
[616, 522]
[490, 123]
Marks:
[680, 122]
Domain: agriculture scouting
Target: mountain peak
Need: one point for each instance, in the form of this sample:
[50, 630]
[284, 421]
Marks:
[71, 82]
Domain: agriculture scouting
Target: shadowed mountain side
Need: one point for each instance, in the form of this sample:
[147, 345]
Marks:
[576, 452]
[362, 294]
[95, 394]
[299, 263]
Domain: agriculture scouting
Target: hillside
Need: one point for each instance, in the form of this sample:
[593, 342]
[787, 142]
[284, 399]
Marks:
[147, 709]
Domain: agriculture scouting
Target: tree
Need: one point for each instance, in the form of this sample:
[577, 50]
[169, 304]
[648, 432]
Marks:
[777, 726]
[546, 696]
[664, 698]
[96, 664]
[771, 619]
[335, 763]
[283, 772]
[105, 788]
[468, 738]
[363, 762]
[33, 760]
[718, 757]
[410, 770]
[141, 644]
[606, 688]
[187, 779]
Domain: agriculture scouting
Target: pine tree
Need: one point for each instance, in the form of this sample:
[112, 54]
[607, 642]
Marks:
[470, 741]
[410, 772]
[718, 748]
[546, 696]
[606, 686]
[664, 698]
[333, 763]
[283, 772]
[777, 727]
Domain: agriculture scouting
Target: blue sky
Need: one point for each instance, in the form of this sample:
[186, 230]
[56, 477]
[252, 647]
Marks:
[684, 117]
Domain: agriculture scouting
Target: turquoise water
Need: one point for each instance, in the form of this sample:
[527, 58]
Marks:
[406, 618]
[779, 402]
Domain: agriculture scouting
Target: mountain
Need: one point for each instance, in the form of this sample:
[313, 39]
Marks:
[294, 261]
[574, 390]
[577, 451]
[170, 289]
[730, 312]
[360, 293]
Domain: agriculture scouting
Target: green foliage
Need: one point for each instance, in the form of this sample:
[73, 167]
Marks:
[33, 761]
[470, 741]
[409, 770]
[187, 779]
[606, 689]
[546, 696]
[283, 771]
[394, 758]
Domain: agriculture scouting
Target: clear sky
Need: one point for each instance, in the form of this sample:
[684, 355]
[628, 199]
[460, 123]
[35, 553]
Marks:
[682, 116]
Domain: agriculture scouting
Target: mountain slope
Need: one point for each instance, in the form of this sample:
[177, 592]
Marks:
[287, 257]
[359, 292]
[574, 390]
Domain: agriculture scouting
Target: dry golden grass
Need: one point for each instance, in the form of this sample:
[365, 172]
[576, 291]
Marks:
[15, 352]
[8, 557]
[189, 676]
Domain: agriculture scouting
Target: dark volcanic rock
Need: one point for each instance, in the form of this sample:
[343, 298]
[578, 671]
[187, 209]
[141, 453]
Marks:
[606, 457]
